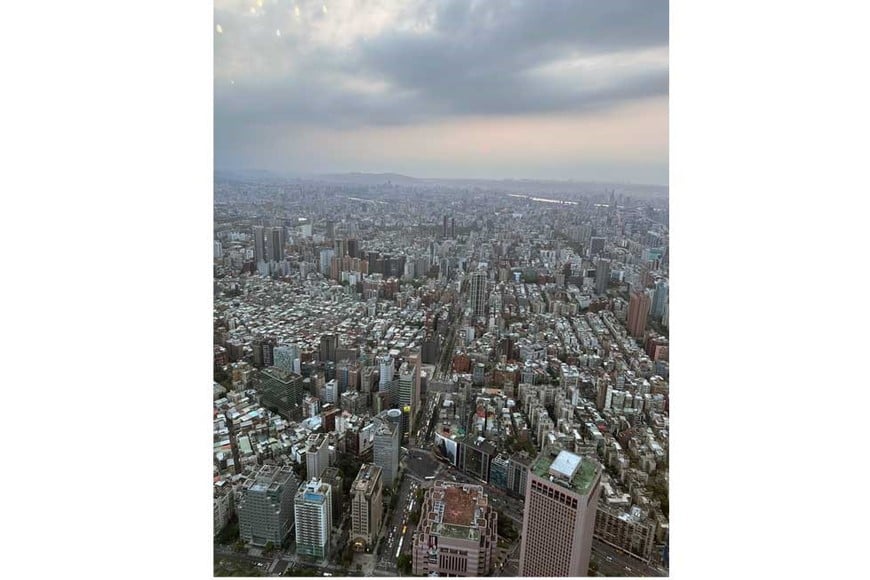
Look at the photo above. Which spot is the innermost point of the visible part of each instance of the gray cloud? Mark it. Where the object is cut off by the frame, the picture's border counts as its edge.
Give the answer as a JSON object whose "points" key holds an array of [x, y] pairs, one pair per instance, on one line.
{"points": [[476, 59]]}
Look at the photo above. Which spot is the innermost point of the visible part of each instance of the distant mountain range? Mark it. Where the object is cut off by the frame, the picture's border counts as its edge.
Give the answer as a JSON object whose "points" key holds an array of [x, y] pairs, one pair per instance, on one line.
{"points": [[537, 185]]}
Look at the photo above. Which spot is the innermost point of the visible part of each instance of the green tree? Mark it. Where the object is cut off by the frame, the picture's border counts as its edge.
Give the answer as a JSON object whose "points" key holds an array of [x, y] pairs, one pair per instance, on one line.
{"points": [[404, 564]]}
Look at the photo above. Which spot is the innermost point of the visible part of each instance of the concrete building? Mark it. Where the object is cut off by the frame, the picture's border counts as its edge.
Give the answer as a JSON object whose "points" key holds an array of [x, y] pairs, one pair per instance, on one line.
{"points": [[559, 517], [387, 369], [333, 477], [386, 446], [477, 293], [632, 531], [602, 276], [409, 392], [316, 455], [265, 506], [638, 310], [282, 391], [367, 505], [457, 534], [313, 507]]}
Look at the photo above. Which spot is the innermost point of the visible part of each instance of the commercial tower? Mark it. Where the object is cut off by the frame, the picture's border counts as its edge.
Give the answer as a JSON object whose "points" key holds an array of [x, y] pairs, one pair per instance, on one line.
{"points": [[602, 276], [367, 505], [385, 362], [409, 391], [457, 534], [559, 517], [313, 505], [265, 506], [638, 310], [316, 455], [386, 444], [477, 293]]}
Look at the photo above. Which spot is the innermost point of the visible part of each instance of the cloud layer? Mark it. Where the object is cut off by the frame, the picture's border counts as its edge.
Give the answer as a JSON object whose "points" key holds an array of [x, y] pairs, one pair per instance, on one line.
{"points": [[333, 73]]}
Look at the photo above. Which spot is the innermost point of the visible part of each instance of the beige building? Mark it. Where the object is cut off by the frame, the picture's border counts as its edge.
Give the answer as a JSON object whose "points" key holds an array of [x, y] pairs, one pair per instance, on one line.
{"points": [[457, 534], [367, 505], [632, 531], [559, 518]]}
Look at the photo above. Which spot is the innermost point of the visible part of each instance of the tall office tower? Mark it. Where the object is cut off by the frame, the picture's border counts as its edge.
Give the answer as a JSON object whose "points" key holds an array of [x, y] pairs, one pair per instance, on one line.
{"points": [[457, 534], [387, 368], [313, 506], [284, 357], [660, 299], [326, 256], [265, 506], [274, 244], [330, 230], [638, 309], [282, 391], [367, 505], [453, 228], [477, 293], [316, 454], [340, 248], [444, 228], [259, 244], [596, 246], [218, 250], [333, 477], [602, 276], [559, 516], [353, 248], [386, 445], [328, 344], [409, 391]]}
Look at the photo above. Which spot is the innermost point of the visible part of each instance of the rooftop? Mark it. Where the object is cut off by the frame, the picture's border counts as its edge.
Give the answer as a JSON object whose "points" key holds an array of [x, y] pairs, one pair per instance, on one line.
{"points": [[581, 476]]}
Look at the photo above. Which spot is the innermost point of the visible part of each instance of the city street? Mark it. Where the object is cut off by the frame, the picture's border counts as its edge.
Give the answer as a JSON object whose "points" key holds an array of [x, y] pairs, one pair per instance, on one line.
{"points": [[615, 562]]}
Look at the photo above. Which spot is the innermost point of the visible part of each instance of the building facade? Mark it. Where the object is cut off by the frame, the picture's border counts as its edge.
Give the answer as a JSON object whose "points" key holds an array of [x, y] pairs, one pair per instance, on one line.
{"points": [[265, 506], [367, 505], [559, 516], [386, 447], [313, 507], [457, 534]]}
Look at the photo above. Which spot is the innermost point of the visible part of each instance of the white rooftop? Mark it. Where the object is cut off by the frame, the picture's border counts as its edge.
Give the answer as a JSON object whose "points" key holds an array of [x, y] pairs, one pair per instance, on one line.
{"points": [[565, 465]]}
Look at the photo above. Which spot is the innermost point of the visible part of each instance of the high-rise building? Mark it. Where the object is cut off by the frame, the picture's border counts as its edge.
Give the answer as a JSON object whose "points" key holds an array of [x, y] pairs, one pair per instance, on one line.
{"points": [[274, 244], [367, 505], [638, 310], [265, 506], [386, 445], [559, 516], [328, 344], [660, 299], [387, 368], [409, 391], [282, 391], [602, 276], [313, 507], [444, 228], [316, 455], [332, 476], [286, 357], [477, 293], [259, 244], [457, 534], [596, 246]]}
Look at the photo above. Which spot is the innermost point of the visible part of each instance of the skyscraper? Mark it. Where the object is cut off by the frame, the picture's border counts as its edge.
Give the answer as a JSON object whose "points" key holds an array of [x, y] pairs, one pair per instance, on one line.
{"points": [[387, 369], [367, 505], [477, 293], [313, 507], [602, 276], [274, 244], [457, 534], [409, 391], [596, 246], [265, 506], [660, 299], [316, 455], [386, 445], [559, 517], [259, 244], [638, 309]]}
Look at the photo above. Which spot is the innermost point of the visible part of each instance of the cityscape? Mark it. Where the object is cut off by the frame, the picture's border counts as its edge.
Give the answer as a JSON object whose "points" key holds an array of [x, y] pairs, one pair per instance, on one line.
{"points": [[441, 289]]}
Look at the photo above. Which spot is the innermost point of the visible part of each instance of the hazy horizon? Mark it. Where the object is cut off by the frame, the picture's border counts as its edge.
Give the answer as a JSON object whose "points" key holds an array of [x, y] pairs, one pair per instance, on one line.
{"points": [[559, 90]]}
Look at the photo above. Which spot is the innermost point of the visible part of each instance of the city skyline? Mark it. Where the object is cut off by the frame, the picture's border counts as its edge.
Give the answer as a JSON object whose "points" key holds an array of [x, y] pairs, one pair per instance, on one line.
{"points": [[561, 91]]}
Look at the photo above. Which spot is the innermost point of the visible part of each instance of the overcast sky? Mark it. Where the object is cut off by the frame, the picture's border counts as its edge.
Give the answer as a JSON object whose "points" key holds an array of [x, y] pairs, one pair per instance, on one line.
{"points": [[494, 89]]}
